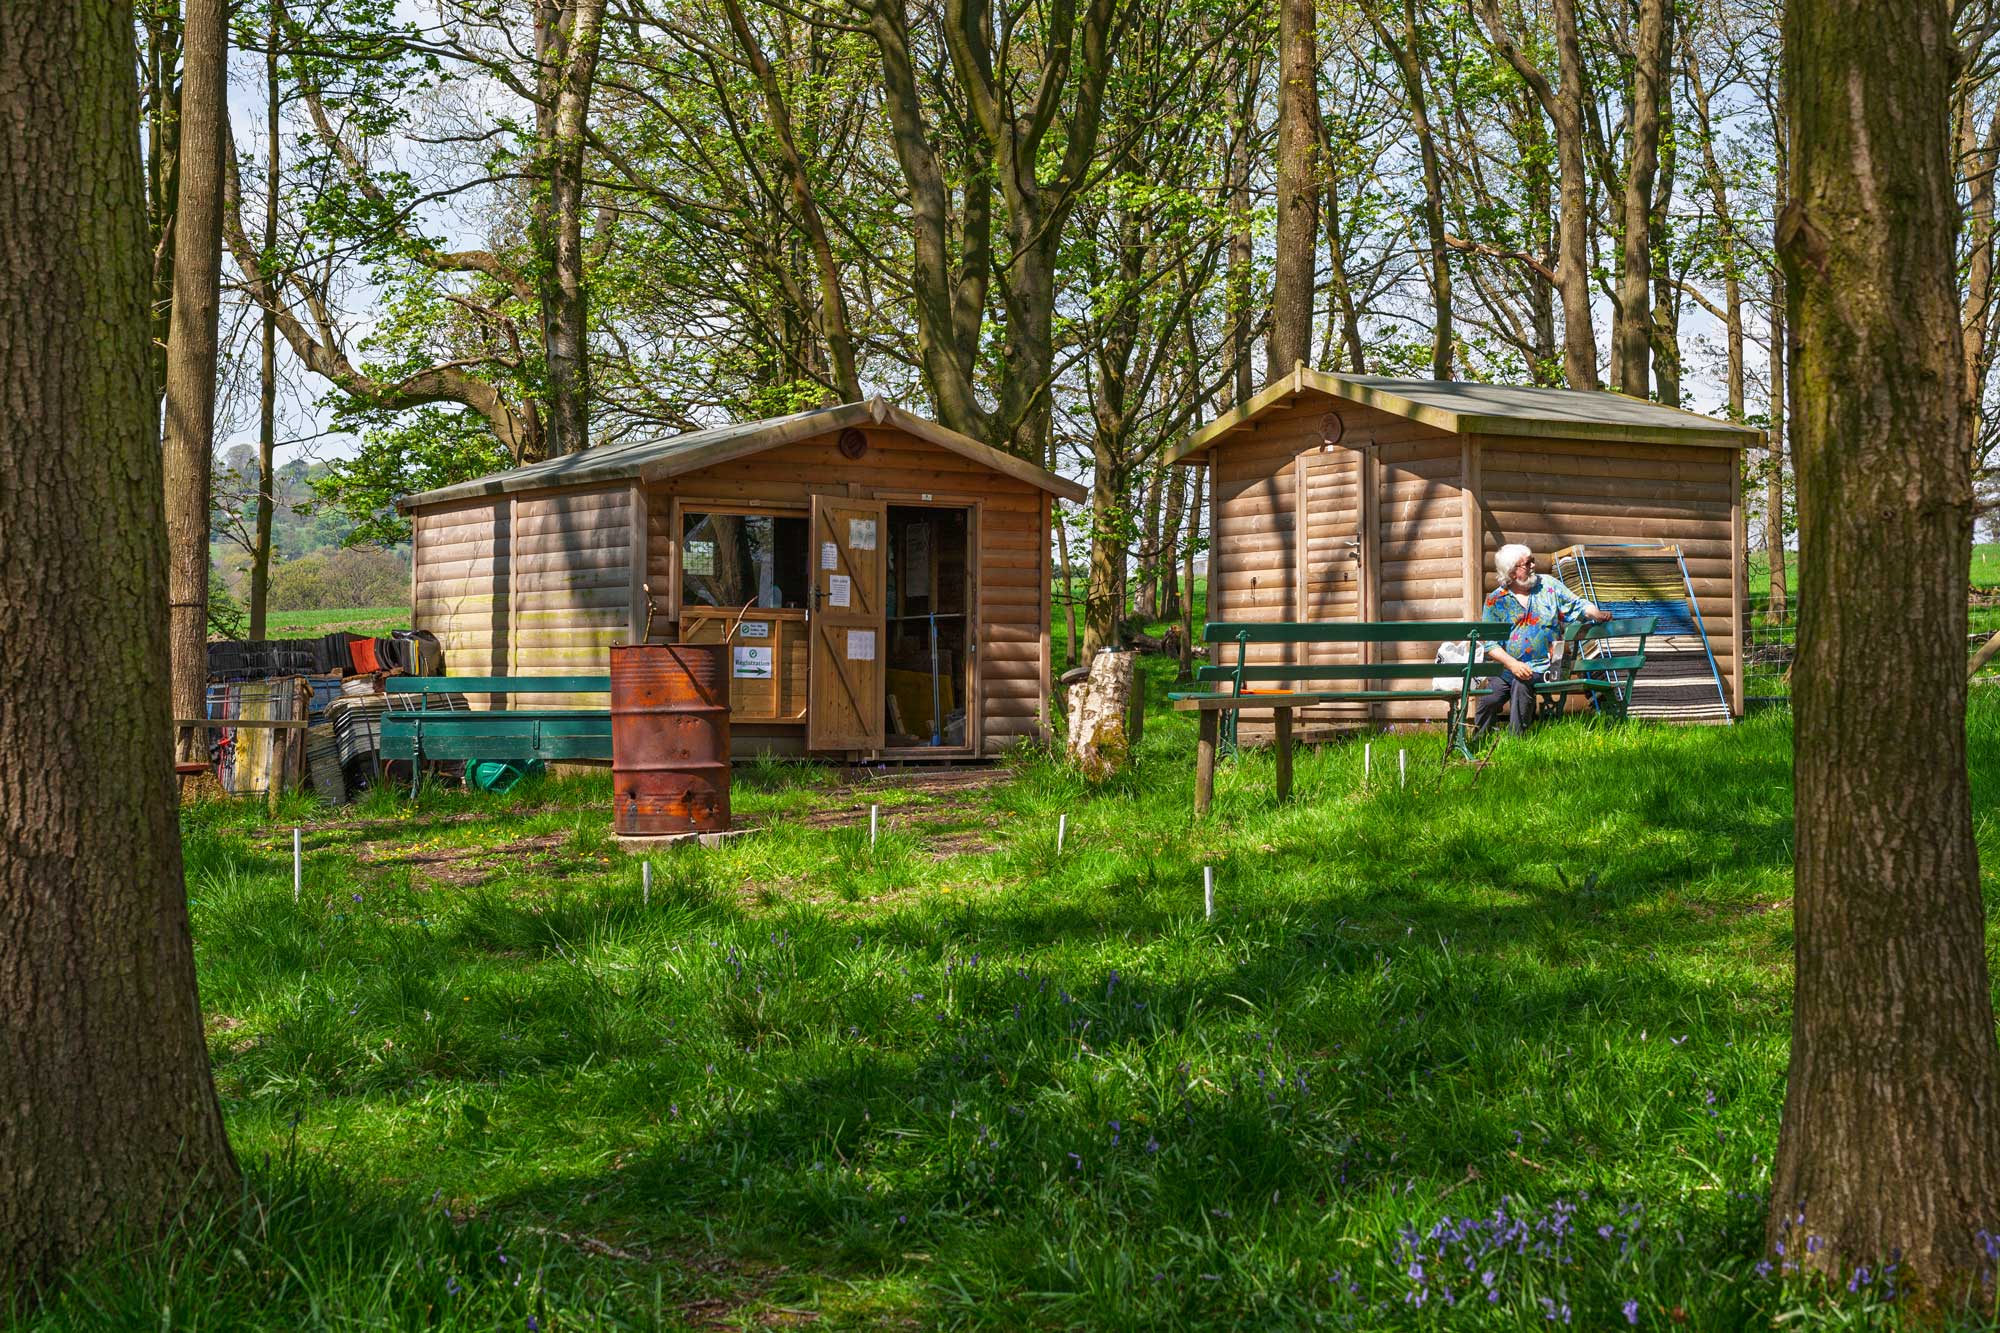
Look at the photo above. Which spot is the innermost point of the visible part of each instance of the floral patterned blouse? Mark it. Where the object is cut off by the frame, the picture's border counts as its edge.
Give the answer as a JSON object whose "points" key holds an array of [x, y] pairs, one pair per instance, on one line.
{"points": [[1536, 621]]}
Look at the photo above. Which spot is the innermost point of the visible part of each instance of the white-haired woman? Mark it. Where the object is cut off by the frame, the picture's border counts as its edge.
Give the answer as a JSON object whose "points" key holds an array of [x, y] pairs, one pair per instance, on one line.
{"points": [[1536, 606]]}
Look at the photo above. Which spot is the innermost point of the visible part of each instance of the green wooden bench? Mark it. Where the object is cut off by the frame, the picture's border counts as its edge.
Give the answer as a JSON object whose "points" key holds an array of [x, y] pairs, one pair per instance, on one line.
{"points": [[515, 735], [1606, 680], [1241, 676]]}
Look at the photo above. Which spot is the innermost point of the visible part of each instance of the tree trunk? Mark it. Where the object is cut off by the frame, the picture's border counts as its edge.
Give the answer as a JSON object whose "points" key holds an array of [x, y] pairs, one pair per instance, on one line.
{"points": [[1664, 328], [191, 349], [1777, 605], [163, 126], [1104, 596], [1187, 575], [267, 378], [949, 275], [1979, 155], [112, 1128], [1243, 83], [1179, 519], [1564, 105], [1635, 273], [1298, 185], [1100, 716], [1539, 191], [1145, 596], [1408, 53], [1341, 307], [1727, 239], [1573, 206], [1890, 1142], [566, 42], [832, 301]]}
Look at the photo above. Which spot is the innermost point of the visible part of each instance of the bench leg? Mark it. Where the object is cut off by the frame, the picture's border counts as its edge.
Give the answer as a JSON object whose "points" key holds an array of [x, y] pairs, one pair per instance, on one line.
{"points": [[1284, 716], [1204, 760], [1454, 733]]}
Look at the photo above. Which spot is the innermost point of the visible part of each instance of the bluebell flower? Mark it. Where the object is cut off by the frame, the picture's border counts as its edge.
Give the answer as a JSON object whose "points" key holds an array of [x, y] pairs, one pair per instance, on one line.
{"points": [[1631, 1312]]}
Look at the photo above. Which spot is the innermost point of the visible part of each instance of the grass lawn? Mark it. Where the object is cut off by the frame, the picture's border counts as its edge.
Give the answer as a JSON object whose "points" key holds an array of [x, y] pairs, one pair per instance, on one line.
{"points": [[370, 620], [1495, 1051]]}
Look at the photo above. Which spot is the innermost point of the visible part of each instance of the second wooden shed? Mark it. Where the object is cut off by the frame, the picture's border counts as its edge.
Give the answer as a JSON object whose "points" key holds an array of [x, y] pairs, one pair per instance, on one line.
{"points": [[1359, 497], [883, 581]]}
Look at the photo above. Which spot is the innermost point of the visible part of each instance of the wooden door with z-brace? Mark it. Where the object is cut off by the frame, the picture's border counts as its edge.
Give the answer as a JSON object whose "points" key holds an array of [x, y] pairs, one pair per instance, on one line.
{"points": [[846, 692]]}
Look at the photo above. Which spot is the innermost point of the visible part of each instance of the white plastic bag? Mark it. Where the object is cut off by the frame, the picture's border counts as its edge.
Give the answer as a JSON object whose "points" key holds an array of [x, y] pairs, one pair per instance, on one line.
{"points": [[1452, 654]]}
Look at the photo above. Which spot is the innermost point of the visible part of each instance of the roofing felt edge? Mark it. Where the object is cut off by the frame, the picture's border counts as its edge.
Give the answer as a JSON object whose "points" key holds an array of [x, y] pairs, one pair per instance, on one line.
{"points": [[1700, 430], [737, 440]]}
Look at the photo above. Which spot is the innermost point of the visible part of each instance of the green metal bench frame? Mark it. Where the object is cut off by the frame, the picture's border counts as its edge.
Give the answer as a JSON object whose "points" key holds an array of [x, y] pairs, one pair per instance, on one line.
{"points": [[1607, 680], [1212, 705], [513, 735]]}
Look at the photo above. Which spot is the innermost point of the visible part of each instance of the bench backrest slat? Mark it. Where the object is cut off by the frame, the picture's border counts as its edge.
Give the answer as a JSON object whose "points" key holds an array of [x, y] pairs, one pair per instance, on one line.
{"points": [[1348, 671], [1636, 627], [1353, 631], [497, 684]]}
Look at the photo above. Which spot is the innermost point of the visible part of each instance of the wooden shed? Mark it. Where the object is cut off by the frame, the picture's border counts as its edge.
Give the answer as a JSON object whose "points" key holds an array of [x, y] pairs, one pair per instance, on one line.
{"points": [[1338, 497], [883, 581]]}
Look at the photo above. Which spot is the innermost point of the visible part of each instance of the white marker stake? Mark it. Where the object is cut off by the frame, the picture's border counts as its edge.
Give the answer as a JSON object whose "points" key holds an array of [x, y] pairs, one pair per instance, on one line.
{"points": [[298, 866], [1208, 892], [1402, 768], [874, 818], [645, 884], [1367, 761], [1062, 830]]}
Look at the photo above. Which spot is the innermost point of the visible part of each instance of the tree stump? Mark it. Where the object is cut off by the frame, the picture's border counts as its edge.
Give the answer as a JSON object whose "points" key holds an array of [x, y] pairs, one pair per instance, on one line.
{"points": [[1100, 716]]}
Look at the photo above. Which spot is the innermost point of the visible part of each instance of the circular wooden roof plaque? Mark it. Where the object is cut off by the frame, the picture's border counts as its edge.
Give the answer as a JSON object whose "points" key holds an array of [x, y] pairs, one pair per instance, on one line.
{"points": [[852, 443], [1331, 428]]}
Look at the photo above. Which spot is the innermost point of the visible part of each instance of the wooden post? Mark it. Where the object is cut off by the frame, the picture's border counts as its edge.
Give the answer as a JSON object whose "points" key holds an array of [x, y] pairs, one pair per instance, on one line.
{"points": [[1204, 760], [1284, 716]]}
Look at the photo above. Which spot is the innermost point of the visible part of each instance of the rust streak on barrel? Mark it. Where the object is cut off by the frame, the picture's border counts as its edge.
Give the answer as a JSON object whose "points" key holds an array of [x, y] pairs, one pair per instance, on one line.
{"points": [[669, 738]]}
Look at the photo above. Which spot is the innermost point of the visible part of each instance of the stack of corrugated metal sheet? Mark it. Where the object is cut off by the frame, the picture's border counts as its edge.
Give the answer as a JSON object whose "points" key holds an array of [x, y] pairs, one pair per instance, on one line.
{"points": [[357, 735], [323, 763]]}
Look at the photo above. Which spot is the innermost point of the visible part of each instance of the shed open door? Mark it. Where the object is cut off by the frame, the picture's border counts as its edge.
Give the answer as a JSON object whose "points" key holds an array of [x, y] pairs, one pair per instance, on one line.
{"points": [[846, 692]]}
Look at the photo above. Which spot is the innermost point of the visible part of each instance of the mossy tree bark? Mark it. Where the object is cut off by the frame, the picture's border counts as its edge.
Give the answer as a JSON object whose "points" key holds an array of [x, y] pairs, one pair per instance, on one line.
{"points": [[1890, 1143], [1296, 258], [111, 1125], [189, 428]]}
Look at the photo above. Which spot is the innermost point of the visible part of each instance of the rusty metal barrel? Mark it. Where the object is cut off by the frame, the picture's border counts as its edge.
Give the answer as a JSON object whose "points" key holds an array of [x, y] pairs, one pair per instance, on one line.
{"points": [[669, 738]]}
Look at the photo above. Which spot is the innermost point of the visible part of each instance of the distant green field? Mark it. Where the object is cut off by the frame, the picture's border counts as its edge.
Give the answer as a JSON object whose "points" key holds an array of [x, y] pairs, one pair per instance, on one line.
{"points": [[369, 620]]}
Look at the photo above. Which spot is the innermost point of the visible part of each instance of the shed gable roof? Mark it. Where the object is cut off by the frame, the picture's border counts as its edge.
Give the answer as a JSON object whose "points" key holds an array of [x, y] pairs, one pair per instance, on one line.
{"points": [[657, 460], [1489, 409]]}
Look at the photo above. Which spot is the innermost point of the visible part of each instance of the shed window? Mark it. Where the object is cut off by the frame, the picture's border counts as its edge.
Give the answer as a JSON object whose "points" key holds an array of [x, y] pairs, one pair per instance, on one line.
{"points": [[729, 560]]}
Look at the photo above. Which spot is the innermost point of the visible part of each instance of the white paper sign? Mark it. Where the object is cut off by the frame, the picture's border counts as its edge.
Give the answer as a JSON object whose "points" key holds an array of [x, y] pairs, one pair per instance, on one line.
{"points": [[861, 645], [753, 663], [839, 590], [699, 557], [829, 556], [754, 629], [861, 533]]}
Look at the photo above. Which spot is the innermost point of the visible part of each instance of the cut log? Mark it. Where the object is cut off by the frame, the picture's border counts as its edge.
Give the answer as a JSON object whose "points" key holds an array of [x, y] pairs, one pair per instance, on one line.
{"points": [[1985, 654], [1100, 716]]}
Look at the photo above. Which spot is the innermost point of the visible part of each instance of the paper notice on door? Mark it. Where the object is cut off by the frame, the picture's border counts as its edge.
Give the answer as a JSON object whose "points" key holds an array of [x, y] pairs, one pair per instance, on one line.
{"points": [[752, 663], [698, 558], [861, 533], [839, 590], [861, 645], [754, 629], [829, 556]]}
